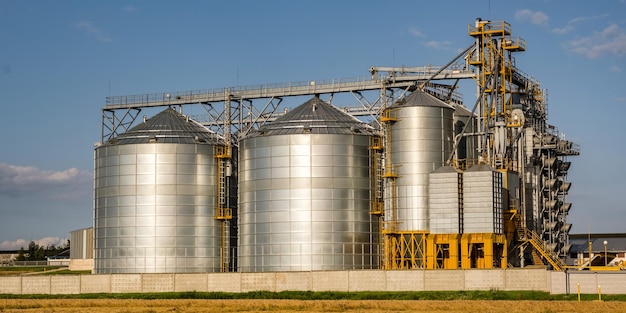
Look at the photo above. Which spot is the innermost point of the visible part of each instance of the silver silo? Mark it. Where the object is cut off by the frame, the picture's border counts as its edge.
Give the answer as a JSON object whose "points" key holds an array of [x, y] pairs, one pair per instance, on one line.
{"points": [[155, 196], [421, 141], [304, 193]]}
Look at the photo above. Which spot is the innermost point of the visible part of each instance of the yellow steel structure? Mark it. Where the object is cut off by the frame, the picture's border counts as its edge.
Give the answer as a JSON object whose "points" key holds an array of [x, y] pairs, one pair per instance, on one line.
{"points": [[442, 251], [404, 250], [495, 64], [223, 213], [483, 250]]}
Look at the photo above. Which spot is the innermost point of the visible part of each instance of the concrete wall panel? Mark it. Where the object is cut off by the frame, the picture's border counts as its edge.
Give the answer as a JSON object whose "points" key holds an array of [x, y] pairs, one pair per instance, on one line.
{"points": [[224, 282], [191, 282], [401, 280], [121, 283], [95, 283], [81, 265], [257, 282], [588, 282], [444, 280], [612, 283], [157, 283], [64, 284], [366, 280], [300, 281], [11, 285], [526, 279], [405, 280], [36, 285], [327, 281], [484, 279]]}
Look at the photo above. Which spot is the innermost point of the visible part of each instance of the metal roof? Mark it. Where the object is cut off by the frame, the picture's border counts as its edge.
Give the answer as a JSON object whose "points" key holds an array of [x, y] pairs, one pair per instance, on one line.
{"points": [[447, 169], [420, 99], [580, 242], [314, 117], [168, 126]]}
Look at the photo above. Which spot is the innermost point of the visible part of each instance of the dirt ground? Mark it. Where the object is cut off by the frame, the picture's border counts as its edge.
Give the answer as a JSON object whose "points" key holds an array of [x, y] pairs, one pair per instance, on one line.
{"points": [[288, 306]]}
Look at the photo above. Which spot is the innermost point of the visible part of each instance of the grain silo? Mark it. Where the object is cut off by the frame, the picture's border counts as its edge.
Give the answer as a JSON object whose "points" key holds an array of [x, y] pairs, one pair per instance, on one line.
{"points": [[155, 196], [304, 193], [421, 141]]}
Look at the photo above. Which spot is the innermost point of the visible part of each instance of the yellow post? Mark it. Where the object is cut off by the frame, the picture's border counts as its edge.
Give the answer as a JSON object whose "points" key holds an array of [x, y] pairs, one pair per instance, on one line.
{"points": [[599, 293], [578, 291], [454, 252], [465, 252], [488, 243]]}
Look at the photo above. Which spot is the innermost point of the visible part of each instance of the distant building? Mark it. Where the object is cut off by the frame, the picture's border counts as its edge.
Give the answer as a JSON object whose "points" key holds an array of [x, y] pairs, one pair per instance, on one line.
{"points": [[81, 249], [8, 256], [591, 250]]}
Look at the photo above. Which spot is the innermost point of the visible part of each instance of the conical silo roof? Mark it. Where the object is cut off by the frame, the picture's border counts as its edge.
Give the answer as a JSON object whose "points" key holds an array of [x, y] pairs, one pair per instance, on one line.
{"points": [[168, 126], [314, 117], [420, 99], [461, 110]]}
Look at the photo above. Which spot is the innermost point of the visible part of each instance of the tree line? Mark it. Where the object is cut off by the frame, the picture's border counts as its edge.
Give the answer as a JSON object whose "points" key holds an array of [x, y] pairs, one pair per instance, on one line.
{"points": [[36, 252]]}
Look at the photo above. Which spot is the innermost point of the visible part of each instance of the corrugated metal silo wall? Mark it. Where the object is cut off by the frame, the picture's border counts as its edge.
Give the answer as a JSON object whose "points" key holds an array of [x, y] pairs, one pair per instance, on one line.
{"points": [[421, 142], [154, 209], [304, 204]]}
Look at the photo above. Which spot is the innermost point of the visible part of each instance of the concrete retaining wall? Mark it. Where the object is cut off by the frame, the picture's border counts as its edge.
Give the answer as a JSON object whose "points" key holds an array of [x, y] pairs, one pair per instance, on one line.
{"points": [[351, 281], [594, 282]]}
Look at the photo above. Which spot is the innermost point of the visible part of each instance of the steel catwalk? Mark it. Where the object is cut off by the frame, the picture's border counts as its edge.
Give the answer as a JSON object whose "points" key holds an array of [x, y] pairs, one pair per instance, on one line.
{"points": [[155, 194], [421, 141], [304, 192]]}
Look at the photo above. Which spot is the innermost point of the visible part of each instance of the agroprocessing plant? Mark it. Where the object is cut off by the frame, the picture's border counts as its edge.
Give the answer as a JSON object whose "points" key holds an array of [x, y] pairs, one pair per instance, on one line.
{"points": [[403, 175]]}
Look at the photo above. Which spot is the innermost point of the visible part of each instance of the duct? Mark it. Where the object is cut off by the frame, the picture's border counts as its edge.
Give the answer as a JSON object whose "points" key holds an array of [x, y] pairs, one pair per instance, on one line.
{"points": [[553, 184], [550, 162], [565, 249], [553, 205], [565, 187], [566, 228], [566, 207]]}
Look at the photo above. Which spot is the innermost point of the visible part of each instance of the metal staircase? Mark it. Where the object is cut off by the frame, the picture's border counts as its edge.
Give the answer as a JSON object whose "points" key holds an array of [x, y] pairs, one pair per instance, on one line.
{"points": [[531, 237]]}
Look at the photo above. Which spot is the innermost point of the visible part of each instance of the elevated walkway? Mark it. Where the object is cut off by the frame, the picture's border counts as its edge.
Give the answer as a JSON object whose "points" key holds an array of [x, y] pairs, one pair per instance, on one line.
{"points": [[284, 89]]}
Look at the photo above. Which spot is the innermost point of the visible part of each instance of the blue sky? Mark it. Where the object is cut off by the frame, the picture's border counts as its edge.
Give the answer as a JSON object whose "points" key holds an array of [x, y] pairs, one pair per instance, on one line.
{"points": [[60, 59]]}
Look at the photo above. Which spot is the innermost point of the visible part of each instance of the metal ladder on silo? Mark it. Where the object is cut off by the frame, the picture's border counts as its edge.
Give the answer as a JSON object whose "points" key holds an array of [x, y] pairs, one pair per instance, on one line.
{"points": [[223, 212]]}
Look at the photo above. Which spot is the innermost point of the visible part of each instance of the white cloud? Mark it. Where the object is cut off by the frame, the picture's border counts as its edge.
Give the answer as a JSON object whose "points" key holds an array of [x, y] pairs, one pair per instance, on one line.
{"points": [[438, 45], [571, 24], [17, 181], [416, 32], [610, 41], [89, 28], [534, 17], [621, 99], [615, 69], [23, 243]]}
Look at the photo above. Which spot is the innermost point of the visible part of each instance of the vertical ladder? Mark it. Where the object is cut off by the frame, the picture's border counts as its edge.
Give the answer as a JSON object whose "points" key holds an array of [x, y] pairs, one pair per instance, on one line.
{"points": [[223, 212]]}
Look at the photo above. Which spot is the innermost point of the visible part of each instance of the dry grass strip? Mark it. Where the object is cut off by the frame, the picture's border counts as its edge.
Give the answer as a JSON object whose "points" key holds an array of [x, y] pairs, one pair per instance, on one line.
{"points": [[290, 306]]}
